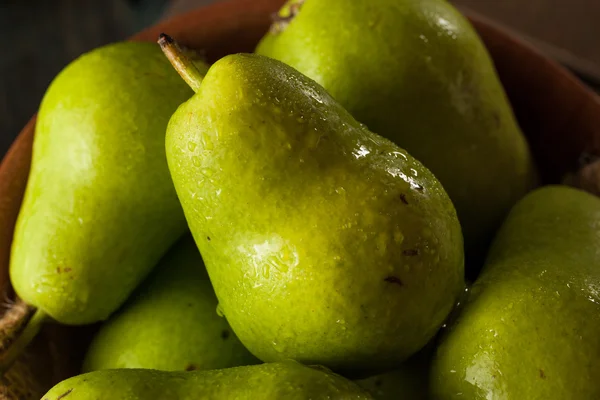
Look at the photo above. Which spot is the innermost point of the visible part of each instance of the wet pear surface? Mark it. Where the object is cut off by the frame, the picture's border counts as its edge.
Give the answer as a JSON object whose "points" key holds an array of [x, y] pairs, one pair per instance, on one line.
{"points": [[429, 86], [530, 327], [283, 380], [170, 324], [100, 208], [324, 242]]}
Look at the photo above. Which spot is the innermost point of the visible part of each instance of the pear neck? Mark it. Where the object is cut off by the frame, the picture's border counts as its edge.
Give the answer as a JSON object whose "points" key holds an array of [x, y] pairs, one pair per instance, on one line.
{"points": [[181, 62]]}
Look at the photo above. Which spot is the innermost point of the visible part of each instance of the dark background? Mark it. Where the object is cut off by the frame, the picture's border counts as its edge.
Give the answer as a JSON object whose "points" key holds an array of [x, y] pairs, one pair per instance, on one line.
{"points": [[39, 37]]}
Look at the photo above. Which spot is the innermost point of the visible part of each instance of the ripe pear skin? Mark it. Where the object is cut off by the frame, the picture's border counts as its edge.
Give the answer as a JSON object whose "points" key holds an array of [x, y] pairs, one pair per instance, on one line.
{"points": [[325, 243], [416, 72], [100, 209], [170, 324], [282, 380], [529, 329]]}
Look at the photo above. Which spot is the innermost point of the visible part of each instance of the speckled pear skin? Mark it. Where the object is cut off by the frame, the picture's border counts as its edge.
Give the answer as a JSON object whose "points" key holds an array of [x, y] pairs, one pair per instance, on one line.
{"points": [[100, 208], [282, 380], [170, 324], [529, 329], [430, 86], [325, 243]]}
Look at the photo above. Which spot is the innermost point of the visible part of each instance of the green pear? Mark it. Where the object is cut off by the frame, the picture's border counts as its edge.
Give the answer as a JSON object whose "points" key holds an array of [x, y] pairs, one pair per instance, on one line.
{"points": [[283, 380], [529, 328], [100, 208], [170, 324], [407, 382], [325, 243], [417, 73]]}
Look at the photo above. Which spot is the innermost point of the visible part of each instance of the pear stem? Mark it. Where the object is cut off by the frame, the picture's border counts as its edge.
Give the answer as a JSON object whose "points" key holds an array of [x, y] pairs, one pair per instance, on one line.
{"points": [[182, 63], [22, 339]]}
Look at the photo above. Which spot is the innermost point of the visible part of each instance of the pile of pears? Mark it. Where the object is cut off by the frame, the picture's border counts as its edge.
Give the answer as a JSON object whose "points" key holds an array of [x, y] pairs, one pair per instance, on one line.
{"points": [[349, 212]]}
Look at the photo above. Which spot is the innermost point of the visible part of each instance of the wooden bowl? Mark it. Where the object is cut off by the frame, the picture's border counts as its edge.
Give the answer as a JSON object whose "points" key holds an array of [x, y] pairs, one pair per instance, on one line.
{"points": [[560, 117]]}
